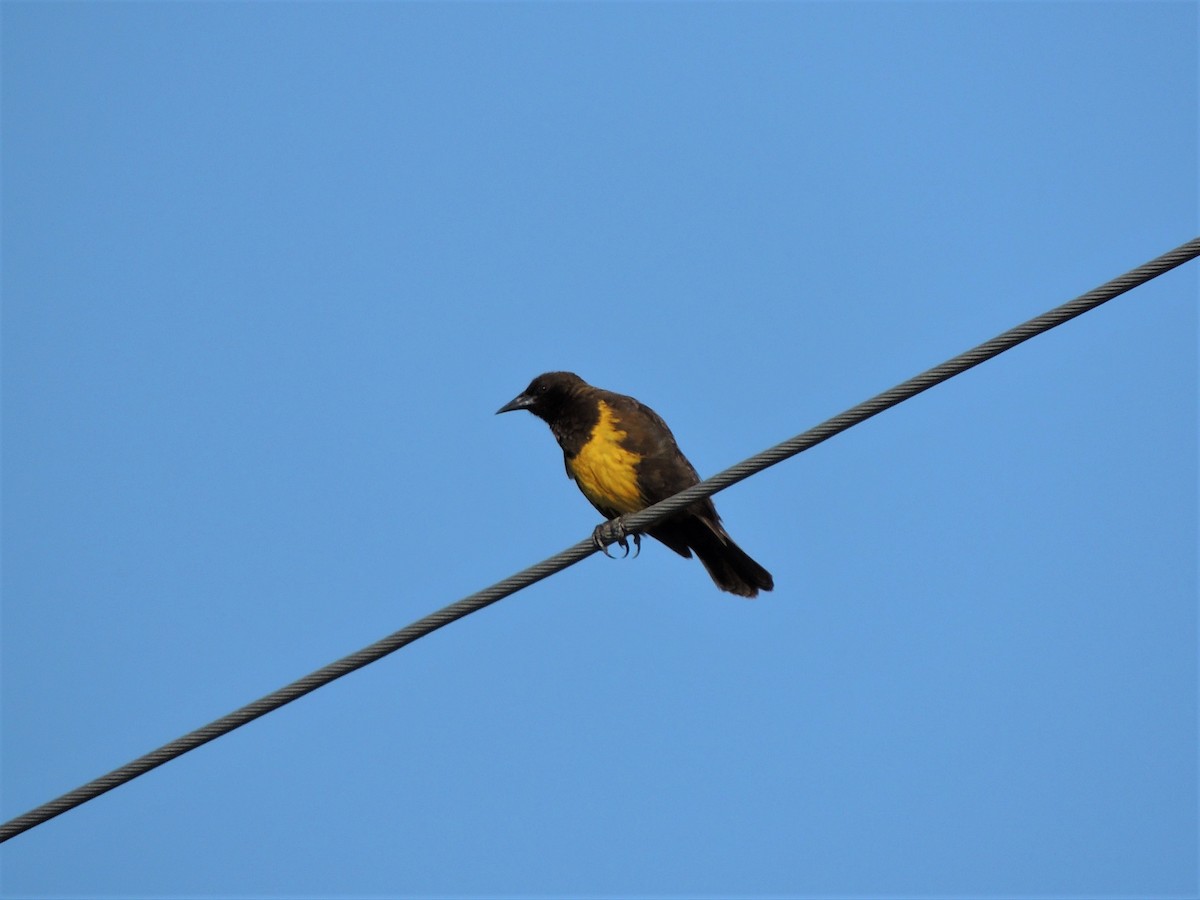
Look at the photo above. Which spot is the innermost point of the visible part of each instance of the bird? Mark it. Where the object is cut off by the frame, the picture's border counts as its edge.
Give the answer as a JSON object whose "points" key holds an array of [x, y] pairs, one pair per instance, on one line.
{"points": [[623, 457]]}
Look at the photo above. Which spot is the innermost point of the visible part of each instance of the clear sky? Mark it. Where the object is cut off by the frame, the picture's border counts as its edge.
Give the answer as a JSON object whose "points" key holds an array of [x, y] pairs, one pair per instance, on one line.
{"points": [[269, 270]]}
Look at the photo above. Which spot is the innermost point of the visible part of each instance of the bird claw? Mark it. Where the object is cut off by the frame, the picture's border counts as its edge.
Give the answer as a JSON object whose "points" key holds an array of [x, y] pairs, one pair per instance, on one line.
{"points": [[613, 532]]}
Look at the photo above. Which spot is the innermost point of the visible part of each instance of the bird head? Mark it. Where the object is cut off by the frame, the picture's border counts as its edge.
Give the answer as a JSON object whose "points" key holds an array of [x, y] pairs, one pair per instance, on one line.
{"points": [[546, 394]]}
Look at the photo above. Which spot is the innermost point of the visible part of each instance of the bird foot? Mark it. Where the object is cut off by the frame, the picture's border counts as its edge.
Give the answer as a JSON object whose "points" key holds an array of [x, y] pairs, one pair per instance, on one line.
{"points": [[613, 532]]}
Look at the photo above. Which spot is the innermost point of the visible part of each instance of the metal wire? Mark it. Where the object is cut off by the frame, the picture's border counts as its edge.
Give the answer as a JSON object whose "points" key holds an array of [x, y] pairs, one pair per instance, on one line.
{"points": [[1083, 303], [634, 523]]}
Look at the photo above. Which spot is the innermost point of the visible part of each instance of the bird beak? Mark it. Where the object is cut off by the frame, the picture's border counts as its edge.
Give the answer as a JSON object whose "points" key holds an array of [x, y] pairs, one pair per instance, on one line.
{"points": [[521, 401]]}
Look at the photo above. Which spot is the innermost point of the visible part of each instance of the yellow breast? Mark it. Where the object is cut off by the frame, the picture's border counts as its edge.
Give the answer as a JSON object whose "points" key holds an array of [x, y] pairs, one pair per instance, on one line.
{"points": [[605, 471]]}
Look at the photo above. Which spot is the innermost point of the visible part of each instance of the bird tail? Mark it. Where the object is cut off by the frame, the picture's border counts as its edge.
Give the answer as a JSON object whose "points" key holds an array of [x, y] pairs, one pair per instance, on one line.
{"points": [[730, 566]]}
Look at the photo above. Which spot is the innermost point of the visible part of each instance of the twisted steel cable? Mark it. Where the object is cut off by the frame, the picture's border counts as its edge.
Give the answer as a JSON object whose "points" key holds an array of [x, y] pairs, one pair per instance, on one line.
{"points": [[634, 523]]}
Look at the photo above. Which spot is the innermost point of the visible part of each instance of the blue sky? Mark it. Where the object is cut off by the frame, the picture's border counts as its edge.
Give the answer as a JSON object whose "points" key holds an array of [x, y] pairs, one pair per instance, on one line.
{"points": [[268, 271]]}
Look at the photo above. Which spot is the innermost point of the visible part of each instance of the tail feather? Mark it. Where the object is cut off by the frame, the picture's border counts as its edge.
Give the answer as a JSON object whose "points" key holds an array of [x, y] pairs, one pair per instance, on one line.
{"points": [[733, 570], [730, 567]]}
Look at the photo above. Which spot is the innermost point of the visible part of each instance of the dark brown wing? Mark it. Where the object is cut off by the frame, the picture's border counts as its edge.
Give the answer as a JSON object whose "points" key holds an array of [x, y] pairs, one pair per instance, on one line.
{"points": [[664, 471]]}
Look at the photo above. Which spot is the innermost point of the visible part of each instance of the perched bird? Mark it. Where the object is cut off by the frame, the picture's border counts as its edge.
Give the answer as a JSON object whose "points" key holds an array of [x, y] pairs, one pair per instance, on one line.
{"points": [[624, 458]]}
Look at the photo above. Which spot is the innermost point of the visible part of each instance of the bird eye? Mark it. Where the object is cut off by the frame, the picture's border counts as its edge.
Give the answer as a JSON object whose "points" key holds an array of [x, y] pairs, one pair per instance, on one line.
{"points": [[542, 388]]}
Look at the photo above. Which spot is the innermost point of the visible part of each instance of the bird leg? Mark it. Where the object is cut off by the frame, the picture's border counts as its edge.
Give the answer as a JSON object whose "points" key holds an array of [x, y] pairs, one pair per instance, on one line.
{"points": [[613, 532]]}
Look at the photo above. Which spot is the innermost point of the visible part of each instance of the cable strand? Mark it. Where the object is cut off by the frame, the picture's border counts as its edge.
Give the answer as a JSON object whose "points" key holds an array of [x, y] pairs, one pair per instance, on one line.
{"points": [[636, 522]]}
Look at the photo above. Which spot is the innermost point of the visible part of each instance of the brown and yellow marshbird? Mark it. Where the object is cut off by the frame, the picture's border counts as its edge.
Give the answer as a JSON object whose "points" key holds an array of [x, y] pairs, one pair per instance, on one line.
{"points": [[624, 458]]}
